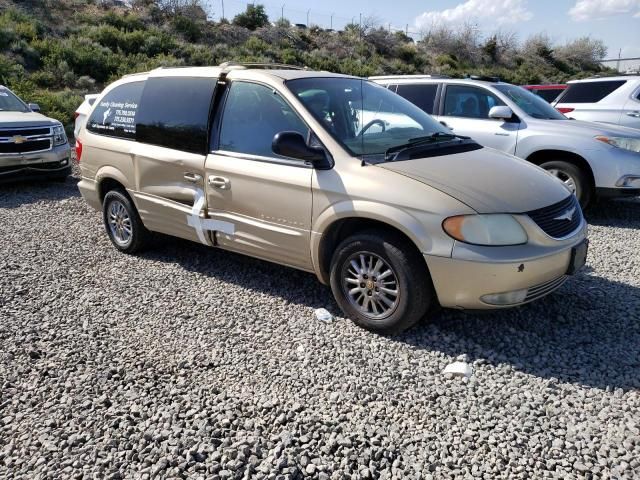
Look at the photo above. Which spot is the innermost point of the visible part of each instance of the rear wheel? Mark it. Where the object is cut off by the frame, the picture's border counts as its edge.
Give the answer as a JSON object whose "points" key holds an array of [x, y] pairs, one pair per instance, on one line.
{"points": [[122, 222], [573, 177], [381, 282]]}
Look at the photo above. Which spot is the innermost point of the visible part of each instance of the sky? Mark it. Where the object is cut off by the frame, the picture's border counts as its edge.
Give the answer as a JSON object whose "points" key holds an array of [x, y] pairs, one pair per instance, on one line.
{"points": [[616, 22]]}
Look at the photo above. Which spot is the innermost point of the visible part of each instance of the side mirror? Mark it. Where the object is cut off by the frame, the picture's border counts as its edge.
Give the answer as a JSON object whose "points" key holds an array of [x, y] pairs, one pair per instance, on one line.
{"points": [[293, 145], [501, 112], [34, 107]]}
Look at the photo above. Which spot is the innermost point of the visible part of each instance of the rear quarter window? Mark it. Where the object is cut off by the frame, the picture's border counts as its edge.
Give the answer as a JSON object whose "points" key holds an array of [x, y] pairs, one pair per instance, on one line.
{"points": [[590, 92], [115, 115], [174, 113]]}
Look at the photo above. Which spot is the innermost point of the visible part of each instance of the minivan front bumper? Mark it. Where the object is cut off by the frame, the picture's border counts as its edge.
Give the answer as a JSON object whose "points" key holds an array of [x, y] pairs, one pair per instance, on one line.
{"points": [[473, 284]]}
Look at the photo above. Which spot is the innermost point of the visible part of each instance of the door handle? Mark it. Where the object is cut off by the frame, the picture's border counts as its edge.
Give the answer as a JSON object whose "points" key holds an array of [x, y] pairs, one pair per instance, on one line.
{"points": [[192, 177], [634, 114], [219, 182]]}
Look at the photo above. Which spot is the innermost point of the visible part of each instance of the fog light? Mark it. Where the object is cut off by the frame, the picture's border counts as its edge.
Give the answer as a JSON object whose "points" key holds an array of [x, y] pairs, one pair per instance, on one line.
{"points": [[629, 181], [506, 298], [64, 162]]}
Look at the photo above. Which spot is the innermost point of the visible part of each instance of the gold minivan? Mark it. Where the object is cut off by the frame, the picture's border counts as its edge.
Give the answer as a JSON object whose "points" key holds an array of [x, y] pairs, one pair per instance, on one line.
{"points": [[330, 174]]}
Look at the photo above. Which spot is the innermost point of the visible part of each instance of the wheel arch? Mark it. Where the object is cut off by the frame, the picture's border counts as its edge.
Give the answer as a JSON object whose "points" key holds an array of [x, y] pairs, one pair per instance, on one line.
{"points": [[541, 156], [109, 178], [345, 227]]}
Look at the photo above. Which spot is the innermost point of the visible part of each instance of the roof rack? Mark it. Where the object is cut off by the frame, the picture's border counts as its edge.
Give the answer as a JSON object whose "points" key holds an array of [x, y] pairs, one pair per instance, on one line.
{"points": [[266, 66], [483, 78], [607, 75], [396, 77]]}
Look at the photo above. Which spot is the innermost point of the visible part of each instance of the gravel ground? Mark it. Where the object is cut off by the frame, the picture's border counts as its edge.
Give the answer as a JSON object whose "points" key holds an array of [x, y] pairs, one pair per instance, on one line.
{"points": [[192, 362]]}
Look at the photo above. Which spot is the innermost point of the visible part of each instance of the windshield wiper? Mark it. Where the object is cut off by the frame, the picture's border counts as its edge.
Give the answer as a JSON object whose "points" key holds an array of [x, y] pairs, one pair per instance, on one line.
{"points": [[393, 152]]}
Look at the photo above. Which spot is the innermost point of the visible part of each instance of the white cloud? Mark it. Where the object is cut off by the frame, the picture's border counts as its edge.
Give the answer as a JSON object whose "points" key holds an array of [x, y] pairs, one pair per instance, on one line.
{"points": [[498, 11], [594, 9]]}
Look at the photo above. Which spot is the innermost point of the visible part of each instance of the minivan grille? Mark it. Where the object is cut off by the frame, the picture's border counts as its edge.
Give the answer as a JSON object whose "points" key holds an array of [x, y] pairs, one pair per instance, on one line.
{"points": [[550, 220]]}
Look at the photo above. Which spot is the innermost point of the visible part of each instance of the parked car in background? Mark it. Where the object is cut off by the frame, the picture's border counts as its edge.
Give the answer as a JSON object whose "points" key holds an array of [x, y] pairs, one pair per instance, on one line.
{"points": [[549, 91], [397, 215], [591, 159], [31, 145], [80, 115], [614, 100]]}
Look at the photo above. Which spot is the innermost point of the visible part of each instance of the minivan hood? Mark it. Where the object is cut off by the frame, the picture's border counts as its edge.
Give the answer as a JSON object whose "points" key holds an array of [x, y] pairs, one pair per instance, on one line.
{"points": [[20, 119], [487, 180]]}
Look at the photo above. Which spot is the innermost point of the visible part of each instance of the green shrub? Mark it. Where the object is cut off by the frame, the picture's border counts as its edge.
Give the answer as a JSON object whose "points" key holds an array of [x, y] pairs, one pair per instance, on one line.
{"points": [[253, 17], [190, 29]]}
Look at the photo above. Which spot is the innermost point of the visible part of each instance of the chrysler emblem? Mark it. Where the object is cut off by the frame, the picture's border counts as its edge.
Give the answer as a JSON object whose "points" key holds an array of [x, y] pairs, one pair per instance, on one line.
{"points": [[18, 139], [568, 215]]}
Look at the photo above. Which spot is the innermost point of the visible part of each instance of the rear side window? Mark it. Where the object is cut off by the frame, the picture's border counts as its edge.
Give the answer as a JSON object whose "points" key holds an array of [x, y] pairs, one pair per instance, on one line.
{"points": [[590, 92], [115, 115], [422, 96], [174, 113]]}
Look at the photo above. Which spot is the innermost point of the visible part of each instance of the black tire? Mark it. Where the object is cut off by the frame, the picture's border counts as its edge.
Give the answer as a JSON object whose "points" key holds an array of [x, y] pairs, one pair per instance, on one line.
{"points": [[566, 170], [414, 286], [137, 234]]}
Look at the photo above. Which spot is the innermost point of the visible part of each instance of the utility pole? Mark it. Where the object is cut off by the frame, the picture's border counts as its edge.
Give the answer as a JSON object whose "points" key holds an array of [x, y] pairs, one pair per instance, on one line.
{"points": [[331, 27], [222, 2], [360, 29], [282, 13], [618, 62], [406, 31], [308, 11]]}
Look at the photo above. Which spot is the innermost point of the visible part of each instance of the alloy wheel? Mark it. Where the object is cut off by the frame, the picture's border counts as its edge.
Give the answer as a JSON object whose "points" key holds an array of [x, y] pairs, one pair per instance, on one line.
{"points": [[120, 223], [567, 179], [370, 285]]}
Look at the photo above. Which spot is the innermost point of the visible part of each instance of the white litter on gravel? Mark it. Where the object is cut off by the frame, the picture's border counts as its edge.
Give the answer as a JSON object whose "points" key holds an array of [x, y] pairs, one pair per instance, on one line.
{"points": [[459, 369], [323, 315]]}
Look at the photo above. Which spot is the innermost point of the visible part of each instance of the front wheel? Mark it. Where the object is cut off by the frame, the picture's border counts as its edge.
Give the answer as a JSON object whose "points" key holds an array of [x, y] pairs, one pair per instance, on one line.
{"points": [[381, 282], [123, 224], [573, 177]]}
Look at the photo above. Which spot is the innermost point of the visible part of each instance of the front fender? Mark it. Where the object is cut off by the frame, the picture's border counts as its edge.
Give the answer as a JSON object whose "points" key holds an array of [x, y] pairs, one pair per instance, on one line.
{"points": [[530, 145], [416, 225]]}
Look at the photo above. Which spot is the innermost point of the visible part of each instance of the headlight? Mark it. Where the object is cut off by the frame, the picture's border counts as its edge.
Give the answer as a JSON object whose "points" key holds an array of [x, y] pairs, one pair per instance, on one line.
{"points": [[493, 230], [59, 137], [626, 143]]}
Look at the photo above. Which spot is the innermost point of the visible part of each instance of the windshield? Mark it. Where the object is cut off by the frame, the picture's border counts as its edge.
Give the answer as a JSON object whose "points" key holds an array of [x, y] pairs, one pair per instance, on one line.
{"points": [[532, 105], [10, 103], [366, 118]]}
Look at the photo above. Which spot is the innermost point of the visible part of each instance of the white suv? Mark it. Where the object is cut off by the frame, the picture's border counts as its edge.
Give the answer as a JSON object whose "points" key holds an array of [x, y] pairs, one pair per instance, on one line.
{"points": [[590, 158], [613, 100]]}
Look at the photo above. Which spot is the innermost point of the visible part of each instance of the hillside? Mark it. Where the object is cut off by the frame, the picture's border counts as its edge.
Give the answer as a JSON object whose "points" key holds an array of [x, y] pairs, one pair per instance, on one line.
{"points": [[54, 51]]}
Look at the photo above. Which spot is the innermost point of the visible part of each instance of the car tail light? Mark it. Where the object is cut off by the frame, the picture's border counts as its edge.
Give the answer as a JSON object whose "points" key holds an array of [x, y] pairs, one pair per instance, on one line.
{"points": [[78, 150], [75, 115], [565, 110]]}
